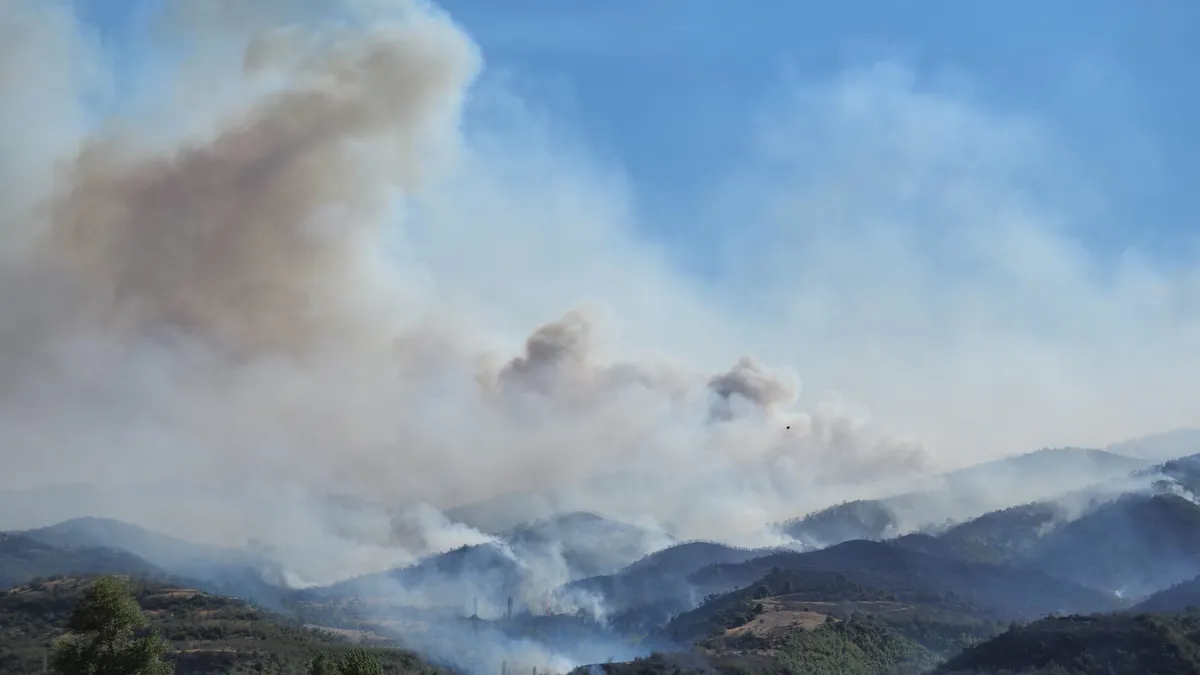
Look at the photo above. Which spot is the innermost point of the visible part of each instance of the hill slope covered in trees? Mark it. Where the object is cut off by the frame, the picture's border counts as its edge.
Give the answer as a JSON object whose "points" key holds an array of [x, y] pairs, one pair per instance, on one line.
{"points": [[206, 633]]}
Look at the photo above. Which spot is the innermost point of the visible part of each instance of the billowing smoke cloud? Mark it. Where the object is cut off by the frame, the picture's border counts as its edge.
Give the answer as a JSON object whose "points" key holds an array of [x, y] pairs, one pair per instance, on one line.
{"points": [[748, 381], [226, 301], [289, 269]]}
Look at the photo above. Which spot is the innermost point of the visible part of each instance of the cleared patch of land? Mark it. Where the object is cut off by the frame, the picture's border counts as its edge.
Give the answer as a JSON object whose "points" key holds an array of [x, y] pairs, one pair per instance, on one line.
{"points": [[788, 613]]}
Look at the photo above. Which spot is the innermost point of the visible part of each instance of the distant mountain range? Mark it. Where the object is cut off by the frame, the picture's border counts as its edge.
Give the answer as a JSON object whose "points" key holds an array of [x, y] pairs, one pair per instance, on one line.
{"points": [[659, 586], [997, 590], [1120, 534], [1070, 536], [1182, 597], [227, 571], [530, 563], [1160, 447], [24, 558], [965, 494], [162, 550], [1131, 544]]}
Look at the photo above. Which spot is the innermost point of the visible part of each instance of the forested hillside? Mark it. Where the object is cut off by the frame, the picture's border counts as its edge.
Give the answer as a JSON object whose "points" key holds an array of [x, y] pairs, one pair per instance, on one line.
{"points": [[205, 633]]}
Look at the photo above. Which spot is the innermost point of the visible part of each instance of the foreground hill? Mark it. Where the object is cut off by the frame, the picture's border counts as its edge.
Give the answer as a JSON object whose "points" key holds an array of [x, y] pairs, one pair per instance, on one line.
{"points": [[876, 645], [852, 647], [1093, 645], [207, 633], [23, 559], [785, 600]]}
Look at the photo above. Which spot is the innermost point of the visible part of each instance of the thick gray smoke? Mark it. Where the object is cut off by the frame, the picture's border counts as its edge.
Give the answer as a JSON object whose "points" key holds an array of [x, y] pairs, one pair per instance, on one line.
{"points": [[221, 301], [749, 382]]}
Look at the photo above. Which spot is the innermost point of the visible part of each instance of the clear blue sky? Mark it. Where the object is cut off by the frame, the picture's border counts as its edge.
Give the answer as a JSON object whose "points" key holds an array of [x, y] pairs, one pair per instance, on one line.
{"points": [[628, 67], [665, 89]]}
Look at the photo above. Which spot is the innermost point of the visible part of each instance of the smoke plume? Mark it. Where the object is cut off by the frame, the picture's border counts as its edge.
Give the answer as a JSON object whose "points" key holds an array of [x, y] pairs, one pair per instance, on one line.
{"points": [[287, 267], [221, 302]]}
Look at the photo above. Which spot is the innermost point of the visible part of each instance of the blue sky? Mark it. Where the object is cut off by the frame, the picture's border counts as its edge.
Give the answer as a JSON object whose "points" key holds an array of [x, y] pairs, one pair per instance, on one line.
{"points": [[1117, 77], [665, 90]]}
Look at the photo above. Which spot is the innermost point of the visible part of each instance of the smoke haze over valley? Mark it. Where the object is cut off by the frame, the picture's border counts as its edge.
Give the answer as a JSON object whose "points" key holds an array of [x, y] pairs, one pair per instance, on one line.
{"points": [[323, 295]]}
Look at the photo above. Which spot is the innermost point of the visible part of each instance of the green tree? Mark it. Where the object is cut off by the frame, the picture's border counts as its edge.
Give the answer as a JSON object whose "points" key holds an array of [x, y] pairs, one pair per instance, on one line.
{"points": [[103, 637], [355, 662], [322, 665], [360, 662]]}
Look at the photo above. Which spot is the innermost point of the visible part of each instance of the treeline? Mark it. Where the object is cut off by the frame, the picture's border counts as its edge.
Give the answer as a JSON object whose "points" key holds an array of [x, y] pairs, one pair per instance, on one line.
{"points": [[114, 627]]}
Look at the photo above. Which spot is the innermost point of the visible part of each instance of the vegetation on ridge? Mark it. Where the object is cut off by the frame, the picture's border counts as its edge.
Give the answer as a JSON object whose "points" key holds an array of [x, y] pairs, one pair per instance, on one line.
{"points": [[202, 633], [1087, 645]]}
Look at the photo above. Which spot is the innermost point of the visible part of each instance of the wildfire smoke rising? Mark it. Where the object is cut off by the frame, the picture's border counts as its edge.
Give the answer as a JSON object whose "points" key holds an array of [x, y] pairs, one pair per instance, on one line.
{"points": [[223, 308], [296, 272]]}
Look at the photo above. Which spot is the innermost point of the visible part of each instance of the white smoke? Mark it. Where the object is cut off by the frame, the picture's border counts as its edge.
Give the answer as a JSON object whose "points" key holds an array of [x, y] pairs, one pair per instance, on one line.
{"points": [[293, 272]]}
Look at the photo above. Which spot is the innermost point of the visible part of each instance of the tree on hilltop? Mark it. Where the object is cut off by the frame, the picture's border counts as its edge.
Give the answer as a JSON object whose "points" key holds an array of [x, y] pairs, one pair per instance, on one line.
{"points": [[104, 639]]}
